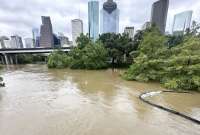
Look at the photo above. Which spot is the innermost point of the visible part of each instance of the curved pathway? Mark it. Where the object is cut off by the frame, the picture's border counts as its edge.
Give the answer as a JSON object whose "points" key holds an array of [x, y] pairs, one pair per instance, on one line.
{"points": [[147, 94]]}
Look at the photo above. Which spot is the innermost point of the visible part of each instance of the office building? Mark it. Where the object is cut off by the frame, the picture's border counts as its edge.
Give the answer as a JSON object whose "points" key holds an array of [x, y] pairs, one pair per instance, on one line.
{"points": [[64, 41], [2, 41], [146, 25], [93, 19], [16, 42], [77, 29], [7, 43], [46, 33], [110, 17], [129, 31], [181, 22], [159, 14], [29, 43], [36, 37], [56, 41]]}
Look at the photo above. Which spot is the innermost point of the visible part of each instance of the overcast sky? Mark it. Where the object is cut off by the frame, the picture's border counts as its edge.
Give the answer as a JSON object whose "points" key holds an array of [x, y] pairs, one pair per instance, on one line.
{"points": [[20, 16]]}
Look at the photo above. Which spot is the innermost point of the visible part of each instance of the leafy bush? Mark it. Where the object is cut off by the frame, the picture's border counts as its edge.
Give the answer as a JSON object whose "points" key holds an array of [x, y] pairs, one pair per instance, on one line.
{"points": [[92, 56], [29, 58], [58, 59]]}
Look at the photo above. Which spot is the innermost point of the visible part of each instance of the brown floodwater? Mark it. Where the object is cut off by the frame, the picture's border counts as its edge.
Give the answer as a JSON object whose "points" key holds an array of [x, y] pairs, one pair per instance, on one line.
{"points": [[42, 101]]}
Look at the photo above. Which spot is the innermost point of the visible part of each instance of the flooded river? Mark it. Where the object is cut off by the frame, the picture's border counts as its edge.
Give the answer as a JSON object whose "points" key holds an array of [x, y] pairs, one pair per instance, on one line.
{"points": [[42, 101]]}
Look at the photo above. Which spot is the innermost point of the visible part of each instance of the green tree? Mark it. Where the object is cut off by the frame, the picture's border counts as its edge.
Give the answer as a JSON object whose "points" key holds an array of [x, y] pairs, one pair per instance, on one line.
{"points": [[176, 68], [82, 40], [119, 47], [148, 63], [58, 59], [92, 56], [174, 40]]}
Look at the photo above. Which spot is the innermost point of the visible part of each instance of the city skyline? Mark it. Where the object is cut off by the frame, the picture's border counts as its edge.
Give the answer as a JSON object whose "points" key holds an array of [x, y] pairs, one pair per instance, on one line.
{"points": [[61, 18]]}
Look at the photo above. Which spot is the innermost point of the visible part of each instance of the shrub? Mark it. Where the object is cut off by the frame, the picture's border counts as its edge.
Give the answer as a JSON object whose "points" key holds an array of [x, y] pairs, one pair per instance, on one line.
{"points": [[58, 59]]}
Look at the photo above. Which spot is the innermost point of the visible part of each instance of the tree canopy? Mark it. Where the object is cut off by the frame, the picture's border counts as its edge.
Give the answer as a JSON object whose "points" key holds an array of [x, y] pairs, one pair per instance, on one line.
{"points": [[175, 68]]}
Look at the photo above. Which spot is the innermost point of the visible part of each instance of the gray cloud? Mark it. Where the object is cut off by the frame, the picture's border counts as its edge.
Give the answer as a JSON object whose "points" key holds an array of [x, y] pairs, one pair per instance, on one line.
{"points": [[20, 16]]}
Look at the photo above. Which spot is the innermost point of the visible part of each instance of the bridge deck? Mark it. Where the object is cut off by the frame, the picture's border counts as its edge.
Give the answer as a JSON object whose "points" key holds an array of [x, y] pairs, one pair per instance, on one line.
{"points": [[31, 50]]}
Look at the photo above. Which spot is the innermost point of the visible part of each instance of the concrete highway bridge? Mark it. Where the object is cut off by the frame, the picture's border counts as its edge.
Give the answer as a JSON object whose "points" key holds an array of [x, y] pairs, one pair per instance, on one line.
{"points": [[9, 56]]}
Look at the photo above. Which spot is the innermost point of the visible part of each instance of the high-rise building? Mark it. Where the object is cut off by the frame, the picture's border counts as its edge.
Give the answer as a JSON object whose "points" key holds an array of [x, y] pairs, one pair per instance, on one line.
{"points": [[93, 19], [146, 25], [28, 42], [159, 14], [129, 31], [64, 41], [2, 42], [7, 43], [56, 41], [77, 29], [182, 22], [16, 42], [110, 17], [46, 32], [36, 37]]}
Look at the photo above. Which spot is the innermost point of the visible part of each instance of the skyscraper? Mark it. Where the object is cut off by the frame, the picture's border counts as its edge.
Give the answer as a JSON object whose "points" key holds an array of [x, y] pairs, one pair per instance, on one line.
{"points": [[36, 37], [129, 31], [64, 41], [2, 41], [16, 42], [29, 42], [110, 17], [46, 32], [56, 41], [77, 29], [182, 22], [159, 14], [93, 19], [146, 25]]}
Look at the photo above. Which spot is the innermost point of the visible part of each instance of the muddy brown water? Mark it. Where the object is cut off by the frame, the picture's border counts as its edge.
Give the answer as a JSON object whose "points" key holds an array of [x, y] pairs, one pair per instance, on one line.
{"points": [[42, 101]]}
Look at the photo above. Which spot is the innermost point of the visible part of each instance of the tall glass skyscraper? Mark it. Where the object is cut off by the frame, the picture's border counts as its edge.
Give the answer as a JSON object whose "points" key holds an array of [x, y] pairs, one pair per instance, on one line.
{"points": [[46, 32], [93, 19], [159, 14], [182, 22], [110, 17]]}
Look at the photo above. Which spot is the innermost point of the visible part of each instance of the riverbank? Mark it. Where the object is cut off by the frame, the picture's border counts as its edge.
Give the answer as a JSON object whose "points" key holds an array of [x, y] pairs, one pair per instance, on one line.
{"points": [[145, 95]]}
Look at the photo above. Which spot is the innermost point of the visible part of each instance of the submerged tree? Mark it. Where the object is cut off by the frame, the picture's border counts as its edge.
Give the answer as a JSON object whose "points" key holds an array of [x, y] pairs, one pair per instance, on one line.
{"points": [[119, 47], [92, 56]]}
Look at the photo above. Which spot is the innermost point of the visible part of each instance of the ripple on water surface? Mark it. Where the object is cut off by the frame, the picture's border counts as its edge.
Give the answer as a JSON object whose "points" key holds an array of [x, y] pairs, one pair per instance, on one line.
{"points": [[41, 101]]}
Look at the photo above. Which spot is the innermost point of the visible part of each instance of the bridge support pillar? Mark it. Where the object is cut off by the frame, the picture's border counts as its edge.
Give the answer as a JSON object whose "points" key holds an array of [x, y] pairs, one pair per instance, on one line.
{"points": [[11, 59], [6, 59], [16, 61], [2, 60]]}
